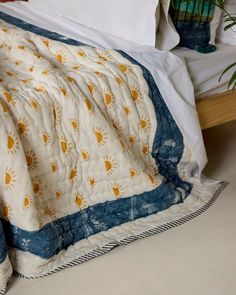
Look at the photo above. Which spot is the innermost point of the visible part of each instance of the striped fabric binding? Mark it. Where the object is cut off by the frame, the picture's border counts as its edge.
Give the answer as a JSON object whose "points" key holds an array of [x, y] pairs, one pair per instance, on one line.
{"points": [[108, 247]]}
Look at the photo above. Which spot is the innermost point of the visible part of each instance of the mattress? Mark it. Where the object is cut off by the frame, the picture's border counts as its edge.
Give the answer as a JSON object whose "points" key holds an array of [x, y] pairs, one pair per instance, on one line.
{"points": [[205, 69]]}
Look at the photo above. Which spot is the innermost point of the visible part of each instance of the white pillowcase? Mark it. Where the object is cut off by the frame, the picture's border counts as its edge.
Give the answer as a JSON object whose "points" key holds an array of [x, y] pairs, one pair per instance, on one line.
{"points": [[229, 36], [132, 20]]}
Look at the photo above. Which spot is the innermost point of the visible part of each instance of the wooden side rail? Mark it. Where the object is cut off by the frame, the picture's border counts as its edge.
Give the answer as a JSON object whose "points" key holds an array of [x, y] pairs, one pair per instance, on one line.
{"points": [[217, 109]]}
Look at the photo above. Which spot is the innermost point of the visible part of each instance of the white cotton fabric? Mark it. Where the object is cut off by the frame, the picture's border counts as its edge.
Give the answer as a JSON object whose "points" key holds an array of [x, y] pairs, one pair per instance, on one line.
{"points": [[228, 36], [133, 20], [206, 69], [143, 22], [167, 37], [169, 71], [214, 24]]}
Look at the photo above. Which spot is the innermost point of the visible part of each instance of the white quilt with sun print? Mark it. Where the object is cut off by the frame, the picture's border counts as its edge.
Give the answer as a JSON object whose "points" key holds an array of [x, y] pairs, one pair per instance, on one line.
{"points": [[87, 148], [74, 120]]}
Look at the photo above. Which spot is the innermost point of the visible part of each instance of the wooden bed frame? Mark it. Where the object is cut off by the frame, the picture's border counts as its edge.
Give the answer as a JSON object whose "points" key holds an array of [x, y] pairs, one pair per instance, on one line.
{"points": [[217, 109]]}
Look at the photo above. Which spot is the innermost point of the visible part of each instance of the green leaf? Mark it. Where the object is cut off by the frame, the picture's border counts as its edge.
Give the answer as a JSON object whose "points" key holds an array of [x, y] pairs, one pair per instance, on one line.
{"points": [[232, 81], [226, 70]]}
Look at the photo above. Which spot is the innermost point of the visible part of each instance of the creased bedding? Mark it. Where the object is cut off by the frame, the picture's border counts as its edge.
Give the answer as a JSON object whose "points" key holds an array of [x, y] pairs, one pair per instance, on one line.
{"points": [[91, 157]]}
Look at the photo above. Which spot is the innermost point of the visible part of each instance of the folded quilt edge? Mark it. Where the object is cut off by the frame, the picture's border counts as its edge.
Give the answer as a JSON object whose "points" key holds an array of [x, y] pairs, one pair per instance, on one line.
{"points": [[201, 205]]}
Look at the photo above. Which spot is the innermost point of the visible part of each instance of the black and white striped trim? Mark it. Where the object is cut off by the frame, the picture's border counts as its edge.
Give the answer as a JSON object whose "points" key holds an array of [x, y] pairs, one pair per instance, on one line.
{"points": [[108, 247], [4, 291]]}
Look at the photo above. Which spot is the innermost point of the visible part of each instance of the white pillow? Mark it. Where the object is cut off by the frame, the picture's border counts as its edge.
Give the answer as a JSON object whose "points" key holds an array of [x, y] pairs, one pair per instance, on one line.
{"points": [[167, 37], [228, 36], [132, 20]]}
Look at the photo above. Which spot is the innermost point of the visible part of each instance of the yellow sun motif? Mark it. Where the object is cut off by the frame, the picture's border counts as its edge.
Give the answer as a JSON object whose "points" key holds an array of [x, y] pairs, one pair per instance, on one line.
{"points": [[135, 94], [97, 73], [60, 56], [153, 180], [17, 62], [76, 67], [20, 47], [80, 201], [85, 155], [92, 181], [90, 87], [124, 68], [9, 98], [27, 202], [38, 186], [23, 127], [31, 159], [3, 106], [7, 211], [104, 56], [12, 143], [144, 124], [45, 72], [64, 92], [56, 113], [35, 105], [54, 167], [101, 136], [48, 212], [132, 139], [46, 42], [81, 53], [58, 195], [37, 55], [70, 79], [5, 30], [127, 110], [9, 179], [31, 69], [73, 174], [145, 149], [65, 146], [25, 81], [74, 124], [40, 88], [30, 41], [117, 190], [108, 98], [46, 138], [14, 89], [11, 74], [110, 165], [88, 105], [119, 80], [133, 172]]}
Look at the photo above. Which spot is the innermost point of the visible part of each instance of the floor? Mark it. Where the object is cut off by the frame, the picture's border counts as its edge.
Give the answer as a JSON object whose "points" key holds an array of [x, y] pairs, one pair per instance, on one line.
{"points": [[197, 258]]}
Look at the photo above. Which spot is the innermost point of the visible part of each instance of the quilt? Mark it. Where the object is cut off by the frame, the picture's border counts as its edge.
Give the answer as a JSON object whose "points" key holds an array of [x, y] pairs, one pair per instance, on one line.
{"points": [[91, 157]]}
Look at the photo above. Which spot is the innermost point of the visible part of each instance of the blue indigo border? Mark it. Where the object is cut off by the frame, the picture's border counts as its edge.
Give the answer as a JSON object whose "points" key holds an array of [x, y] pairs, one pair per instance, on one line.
{"points": [[167, 150]]}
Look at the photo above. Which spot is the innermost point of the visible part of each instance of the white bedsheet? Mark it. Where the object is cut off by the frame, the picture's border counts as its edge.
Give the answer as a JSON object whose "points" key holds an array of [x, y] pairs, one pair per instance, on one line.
{"points": [[205, 69], [168, 70]]}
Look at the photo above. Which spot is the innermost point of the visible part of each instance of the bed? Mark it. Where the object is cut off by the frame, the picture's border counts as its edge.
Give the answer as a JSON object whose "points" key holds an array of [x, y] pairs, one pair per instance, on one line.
{"points": [[100, 147], [215, 104]]}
